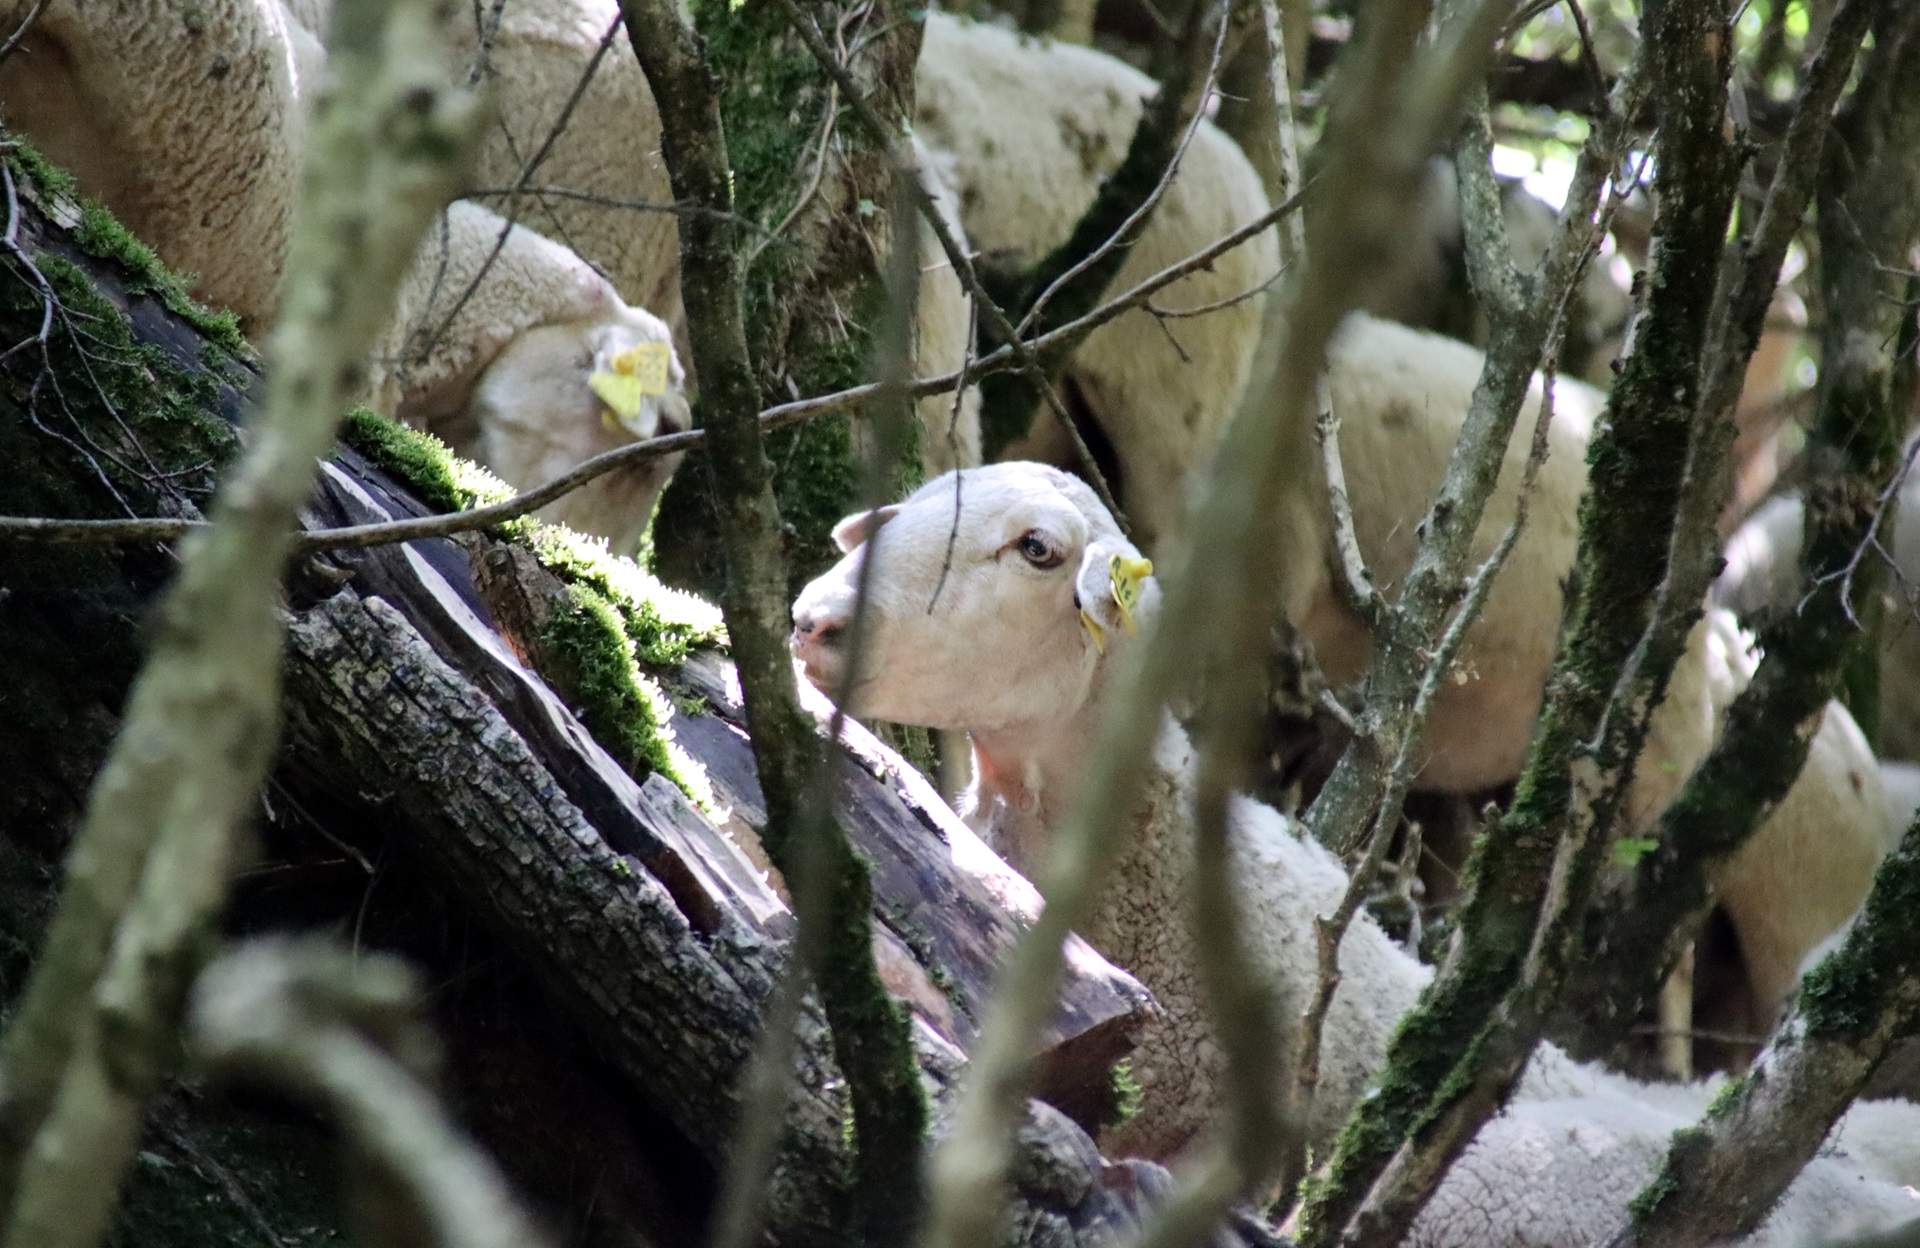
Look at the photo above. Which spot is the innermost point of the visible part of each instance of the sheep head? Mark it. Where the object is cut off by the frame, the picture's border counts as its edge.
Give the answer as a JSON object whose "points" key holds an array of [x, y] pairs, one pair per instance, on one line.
{"points": [[557, 394], [997, 593]]}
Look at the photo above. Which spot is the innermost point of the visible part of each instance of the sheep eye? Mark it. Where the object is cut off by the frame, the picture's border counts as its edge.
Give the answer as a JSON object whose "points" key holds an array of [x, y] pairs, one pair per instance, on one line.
{"points": [[1034, 549]]}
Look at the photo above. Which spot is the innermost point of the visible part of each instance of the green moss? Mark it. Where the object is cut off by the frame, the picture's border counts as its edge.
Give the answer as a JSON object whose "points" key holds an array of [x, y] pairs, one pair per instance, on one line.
{"points": [[1126, 1091], [100, 233], [1727, 1098], [423, 462], [1847, 992], [113, 382], [28, 161], [1684, 1142], [589, 656], [619, 616]]}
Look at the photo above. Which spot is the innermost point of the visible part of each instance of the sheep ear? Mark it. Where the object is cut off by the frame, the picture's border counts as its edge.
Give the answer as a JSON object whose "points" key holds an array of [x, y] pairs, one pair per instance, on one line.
{"points": [[859, 526]]}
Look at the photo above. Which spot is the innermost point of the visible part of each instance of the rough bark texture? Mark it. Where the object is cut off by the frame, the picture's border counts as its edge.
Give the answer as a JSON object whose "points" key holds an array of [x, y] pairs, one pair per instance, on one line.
{"points": [[605, 925], [1565, 798], [1867, 219]]}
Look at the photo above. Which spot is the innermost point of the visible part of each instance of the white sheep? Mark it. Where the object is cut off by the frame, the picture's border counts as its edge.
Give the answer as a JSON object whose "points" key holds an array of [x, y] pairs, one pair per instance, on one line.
{"points": [[510, 380], [1025, 130], [182, 119], [211, 190], [1005, 652]]}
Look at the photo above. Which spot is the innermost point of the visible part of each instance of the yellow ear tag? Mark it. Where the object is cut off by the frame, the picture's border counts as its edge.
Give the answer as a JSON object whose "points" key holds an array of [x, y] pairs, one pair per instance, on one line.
{"points": [[1094, 631], [634, 375], [1125, 574]]}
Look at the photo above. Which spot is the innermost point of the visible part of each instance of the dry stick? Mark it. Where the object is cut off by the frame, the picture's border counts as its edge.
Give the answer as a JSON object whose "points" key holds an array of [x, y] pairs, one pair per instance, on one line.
{"points": [[20, 31], [1342, 812], [1362, 188], [1669, 902], [1137, 218], [302, 1017], [390, 142], [780, 416], [742, 1199], [1276, 155], [1024, 357], [1246, 1010], [872, 1036], [512, 212]]}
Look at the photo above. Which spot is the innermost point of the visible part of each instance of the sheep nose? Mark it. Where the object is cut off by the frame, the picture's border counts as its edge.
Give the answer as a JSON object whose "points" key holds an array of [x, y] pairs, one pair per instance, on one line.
{"points": [[815, 630]]}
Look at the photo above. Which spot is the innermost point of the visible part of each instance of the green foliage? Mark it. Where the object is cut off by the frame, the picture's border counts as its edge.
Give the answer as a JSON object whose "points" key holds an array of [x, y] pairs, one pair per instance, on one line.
{"points": [[101, 234], [1629, 850]]}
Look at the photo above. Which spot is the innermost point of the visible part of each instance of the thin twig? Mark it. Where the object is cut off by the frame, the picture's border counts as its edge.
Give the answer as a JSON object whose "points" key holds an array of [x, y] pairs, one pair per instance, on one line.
{"points": [[20, 31]]}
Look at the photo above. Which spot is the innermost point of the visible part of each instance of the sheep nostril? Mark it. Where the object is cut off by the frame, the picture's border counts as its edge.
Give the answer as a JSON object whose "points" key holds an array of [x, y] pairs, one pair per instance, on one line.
{"points": [[817, 630]]}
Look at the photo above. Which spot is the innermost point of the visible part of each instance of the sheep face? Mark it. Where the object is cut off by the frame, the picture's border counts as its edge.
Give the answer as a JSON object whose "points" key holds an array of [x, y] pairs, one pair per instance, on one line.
{"points": [[559, 394], [1039, 586]]}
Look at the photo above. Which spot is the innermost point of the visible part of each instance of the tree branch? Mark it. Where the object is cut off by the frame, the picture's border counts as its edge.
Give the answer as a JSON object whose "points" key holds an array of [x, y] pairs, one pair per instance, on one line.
{"points": [[1457, 1053], [871, 1034], [1643, 928], [342, 1031], [1722, 1177]]}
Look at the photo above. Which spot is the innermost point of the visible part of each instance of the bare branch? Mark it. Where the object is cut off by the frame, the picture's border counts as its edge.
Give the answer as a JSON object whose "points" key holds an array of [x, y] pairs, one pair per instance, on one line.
{"points": [[929, 211], [780, 416], [871, 1034]]}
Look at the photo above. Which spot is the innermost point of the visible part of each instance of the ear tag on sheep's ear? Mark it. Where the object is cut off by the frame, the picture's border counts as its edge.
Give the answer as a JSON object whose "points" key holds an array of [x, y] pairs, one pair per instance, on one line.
{"points": [[1094, 631], [630, 378], [1125, 573]]}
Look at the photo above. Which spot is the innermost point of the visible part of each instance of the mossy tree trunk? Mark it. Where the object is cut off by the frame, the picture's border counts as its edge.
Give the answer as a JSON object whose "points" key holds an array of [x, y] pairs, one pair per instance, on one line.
{"points": [[814, 289]]}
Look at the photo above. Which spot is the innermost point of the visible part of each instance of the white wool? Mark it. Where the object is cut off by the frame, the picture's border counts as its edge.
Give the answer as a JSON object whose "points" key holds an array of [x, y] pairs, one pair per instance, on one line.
{"points": [[1028, 129], [209, 183], [181, 119], [1003, 653]]}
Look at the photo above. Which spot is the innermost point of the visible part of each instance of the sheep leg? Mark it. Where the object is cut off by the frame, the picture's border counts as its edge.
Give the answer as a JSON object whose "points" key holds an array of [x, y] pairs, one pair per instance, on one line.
{"points": [[1676, 1019]]}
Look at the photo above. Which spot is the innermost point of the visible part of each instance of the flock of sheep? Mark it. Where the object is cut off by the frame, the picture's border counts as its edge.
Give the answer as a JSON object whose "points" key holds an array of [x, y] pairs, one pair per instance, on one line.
{"points": [[187, 120]]}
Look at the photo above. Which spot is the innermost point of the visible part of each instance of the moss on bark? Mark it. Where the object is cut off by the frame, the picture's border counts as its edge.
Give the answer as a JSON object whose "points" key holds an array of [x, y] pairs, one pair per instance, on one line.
{"points": [[812, 295]]}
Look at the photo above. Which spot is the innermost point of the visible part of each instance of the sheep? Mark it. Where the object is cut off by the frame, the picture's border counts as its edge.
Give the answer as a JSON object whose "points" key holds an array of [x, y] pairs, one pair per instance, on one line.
{"points": [[238, 147], [1762, 574], [1013, 651], [510, 382], [182, 119], [1025, 130]]}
